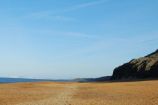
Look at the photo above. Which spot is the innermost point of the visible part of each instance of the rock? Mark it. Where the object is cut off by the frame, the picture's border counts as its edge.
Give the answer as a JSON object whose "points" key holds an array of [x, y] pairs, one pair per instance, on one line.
{"points": [[144, 67]]}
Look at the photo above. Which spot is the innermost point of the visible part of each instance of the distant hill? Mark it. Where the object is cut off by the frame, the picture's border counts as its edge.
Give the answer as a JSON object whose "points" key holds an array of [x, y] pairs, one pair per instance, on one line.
{"points": [[141, 68], [100, 79]]}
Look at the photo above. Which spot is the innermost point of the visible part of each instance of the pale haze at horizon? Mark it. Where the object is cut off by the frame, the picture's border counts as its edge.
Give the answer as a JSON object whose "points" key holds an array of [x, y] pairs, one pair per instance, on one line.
{"points": [[74, 38]]}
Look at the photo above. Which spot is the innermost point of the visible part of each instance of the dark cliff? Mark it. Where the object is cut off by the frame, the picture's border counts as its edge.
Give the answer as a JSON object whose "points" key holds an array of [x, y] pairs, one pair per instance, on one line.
{"points": [[141, 68]]}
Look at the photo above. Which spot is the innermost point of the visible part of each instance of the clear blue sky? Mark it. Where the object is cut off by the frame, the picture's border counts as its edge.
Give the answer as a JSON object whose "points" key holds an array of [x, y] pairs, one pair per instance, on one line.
{"points": [[74, 38]]}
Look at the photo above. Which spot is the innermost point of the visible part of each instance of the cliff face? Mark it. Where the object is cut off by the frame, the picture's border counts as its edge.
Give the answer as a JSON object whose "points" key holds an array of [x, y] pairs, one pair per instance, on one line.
{"points": [[145, 67]]}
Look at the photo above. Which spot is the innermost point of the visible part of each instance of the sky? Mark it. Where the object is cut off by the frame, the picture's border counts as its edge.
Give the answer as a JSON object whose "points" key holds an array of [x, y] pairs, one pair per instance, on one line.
{"points": [[64, 39]]}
